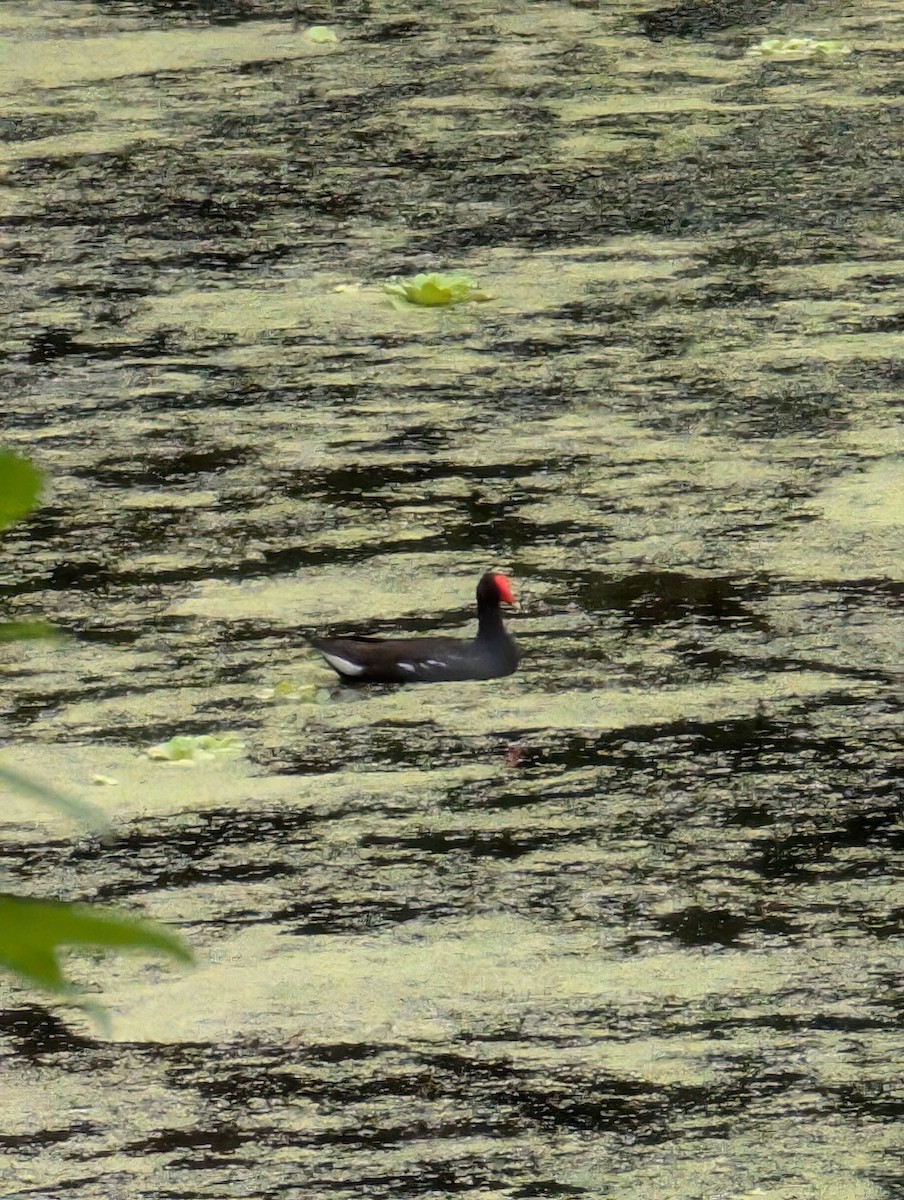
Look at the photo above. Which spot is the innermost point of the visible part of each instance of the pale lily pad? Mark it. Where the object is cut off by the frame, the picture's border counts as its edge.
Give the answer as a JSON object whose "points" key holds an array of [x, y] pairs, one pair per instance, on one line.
{"points": [[435, 290], [188, 749], [798, 47], [321, 34]]}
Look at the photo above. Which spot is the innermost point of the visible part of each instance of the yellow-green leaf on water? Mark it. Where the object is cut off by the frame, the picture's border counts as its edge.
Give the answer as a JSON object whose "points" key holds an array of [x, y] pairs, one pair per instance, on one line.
{"points": [[435, 290], [798, 47], [321, 34], [33, 931], [20, 486], [188, 748]]}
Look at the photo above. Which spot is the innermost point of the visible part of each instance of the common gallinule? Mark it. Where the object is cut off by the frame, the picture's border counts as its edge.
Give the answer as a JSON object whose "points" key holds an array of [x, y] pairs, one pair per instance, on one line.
{"points": [[431, 660]]}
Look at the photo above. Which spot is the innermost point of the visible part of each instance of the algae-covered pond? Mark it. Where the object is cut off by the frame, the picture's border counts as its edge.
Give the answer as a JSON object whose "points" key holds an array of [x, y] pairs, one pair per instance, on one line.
{"points": [[626, 924]]}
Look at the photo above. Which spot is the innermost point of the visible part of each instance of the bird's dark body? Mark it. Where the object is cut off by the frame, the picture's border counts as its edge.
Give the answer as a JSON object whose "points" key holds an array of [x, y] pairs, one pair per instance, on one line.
{"points": [[492, 654]]}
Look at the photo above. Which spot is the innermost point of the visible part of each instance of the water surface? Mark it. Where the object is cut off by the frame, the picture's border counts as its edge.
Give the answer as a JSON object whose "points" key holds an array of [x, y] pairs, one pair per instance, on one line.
{"points": [[625, 923]]}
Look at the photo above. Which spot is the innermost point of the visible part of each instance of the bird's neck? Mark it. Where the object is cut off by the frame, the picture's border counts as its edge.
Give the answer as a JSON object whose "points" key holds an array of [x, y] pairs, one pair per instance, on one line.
{"points": [[489, 625]]}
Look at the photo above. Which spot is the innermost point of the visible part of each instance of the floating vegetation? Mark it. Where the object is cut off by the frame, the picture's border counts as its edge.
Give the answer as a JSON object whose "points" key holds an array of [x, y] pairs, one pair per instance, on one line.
{"points": [[20, 631], [188, 749], [798, 47], [20, 487], [436, 290], [303, 699], [289, 692], [321, 34]]}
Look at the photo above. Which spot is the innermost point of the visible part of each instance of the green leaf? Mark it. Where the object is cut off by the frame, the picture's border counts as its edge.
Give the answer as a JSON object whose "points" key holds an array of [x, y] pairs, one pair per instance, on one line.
{"points": [[23, 631], [20, 486], [435, 290], [798, 47], [32, 932], [79, 810], [192, 748], [321, 34]]}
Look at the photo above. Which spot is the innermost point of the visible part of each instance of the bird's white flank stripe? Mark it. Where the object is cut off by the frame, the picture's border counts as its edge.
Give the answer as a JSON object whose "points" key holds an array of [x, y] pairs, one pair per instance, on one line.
{"points": [[343, 665], [408, 667]]}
